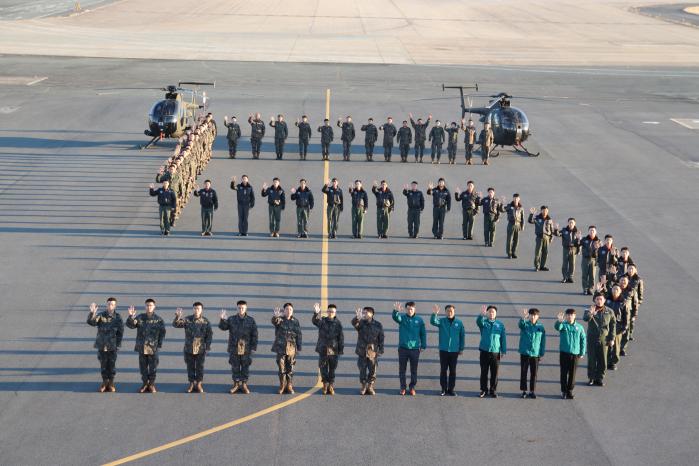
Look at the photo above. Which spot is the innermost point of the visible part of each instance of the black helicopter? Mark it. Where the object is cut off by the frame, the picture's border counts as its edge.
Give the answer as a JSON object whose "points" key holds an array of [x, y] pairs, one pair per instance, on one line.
{"points": [[510, 125]]}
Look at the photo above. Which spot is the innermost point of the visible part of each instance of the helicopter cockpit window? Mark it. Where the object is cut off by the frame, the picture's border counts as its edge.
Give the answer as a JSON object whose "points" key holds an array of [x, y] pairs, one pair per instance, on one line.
{"points": [[165, 108]]}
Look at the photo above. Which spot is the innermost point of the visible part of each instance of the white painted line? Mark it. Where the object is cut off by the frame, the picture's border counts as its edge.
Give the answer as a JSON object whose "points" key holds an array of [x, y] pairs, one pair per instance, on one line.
{"points": [[691, 164], [651, 122], [688, 123], [37, 80], [7, 110]]}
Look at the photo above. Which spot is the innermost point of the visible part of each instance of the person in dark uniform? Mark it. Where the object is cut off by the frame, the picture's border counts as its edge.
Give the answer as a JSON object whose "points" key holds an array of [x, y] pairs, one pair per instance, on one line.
{"points": [[441, 204], [281, 132], [110, 331], [452, 341], [167, 203], [257, 132], [492, 208], [246, 201], [420, 136], [470, 138], [304, 136], [437, 138], [304, 204], [638, 287], [589, 246], [287, 343], [347, 137], [149, 339], [532, 347], [619, 302], [404, 138], [360, 203], [607, 256], [369, 347], [208, 200], [452, 141], [416, 204], [335, 205], [371, 134], [600, 337], [623, 262], [572, 347], [515, 224], [242, 342], [492, 347], [469, 206], [486, 140], [385, 203], [412, 340], [330, 345], [276, 198], [233, 135], [544, 229], [570, 240], [197, 343], [326, 137], [389, 132]]}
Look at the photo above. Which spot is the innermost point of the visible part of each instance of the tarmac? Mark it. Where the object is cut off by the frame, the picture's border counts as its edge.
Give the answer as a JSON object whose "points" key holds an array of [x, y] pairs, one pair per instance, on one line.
{"points": [[618, 150]]}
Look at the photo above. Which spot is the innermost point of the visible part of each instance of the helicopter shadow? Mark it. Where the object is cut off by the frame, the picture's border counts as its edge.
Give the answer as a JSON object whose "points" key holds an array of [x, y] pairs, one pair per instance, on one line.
{"points": [[22, 142]]}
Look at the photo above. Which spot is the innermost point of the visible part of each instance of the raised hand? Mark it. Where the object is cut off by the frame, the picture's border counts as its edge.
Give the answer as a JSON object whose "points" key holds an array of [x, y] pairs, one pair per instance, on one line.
{"points": [[458, 190], [405, 186], [277, 311], [525, 314], [430, 185], [593, 310], [560, 316], [503, 200], [293, 190], [376, 184], [233, 179], [410, 115], [484, 310], [152, 186], [556, 226], [132, 311], [436, 309], [93, 308], [479, 194], [532, 210], [316, 308], [225, 118], [161, 170], [224, 314], [429, 117], [359, 313], [264, 186], [178, 313], [398, 306]]}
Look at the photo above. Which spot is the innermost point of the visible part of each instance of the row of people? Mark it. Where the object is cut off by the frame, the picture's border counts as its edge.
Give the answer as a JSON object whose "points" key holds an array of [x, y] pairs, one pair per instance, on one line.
{"points": [[575, 342], [438, 135], [179, 173]]}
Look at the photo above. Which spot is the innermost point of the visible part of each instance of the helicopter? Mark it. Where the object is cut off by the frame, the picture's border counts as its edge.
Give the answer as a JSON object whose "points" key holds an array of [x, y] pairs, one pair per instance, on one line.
{"points": [[510, 125]]}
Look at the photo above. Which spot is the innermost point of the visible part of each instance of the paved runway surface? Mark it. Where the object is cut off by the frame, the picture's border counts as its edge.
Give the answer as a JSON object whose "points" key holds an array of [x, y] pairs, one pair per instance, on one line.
{"points": [[77, 226]]}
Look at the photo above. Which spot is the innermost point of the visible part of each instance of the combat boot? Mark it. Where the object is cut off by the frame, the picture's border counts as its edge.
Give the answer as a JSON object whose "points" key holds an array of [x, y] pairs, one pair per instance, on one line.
{"points": [[110, 385], [200, 387], [289, 387], [362, 391], [235, 387], [244, 388], [152, 388], [325, 388], [282, 384], [331, 389], [104, 386], [370, 389], [144, 388], [190, 389]]}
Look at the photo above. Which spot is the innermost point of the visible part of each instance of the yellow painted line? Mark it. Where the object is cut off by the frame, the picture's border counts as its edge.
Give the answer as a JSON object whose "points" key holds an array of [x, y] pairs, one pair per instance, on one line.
{"points": [[692, 10], [278, 406]]}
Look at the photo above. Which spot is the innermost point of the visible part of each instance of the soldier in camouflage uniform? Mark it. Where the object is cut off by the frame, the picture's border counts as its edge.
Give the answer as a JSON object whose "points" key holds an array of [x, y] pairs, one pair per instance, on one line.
{"points": [[287, 342], [242, 342], [197, 343], [469, 207], [149, 339], [330, 345], [110, 330], [600, 337], [370, 338]]}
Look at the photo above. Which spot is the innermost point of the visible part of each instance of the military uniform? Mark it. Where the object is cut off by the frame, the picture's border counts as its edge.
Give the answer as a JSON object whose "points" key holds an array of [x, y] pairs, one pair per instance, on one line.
{"points": [[404, 138], [544, 231], [384, 206], [389, 132], [492, 208], [486, 139], [246, 200], [326, 137], [110, 331], [437, 138], [420, 137], [304, 138], [257, 132], [208, 200], [416, 204], [281, 132], [441, 204], [232, 136], [276, 199], [606, 261], [287, 342], [149, 339], [304, 205], [370, 339], [370, 137], [470, 140], [469, 207], [360, 203], [636, 284], [622, 313], [242, 341], [515, 224], [331, 344], [452, 142], [600, 333], [335, 204], [571, 248], [197, 342], [589, 263], [167, 203], [347, 138]]}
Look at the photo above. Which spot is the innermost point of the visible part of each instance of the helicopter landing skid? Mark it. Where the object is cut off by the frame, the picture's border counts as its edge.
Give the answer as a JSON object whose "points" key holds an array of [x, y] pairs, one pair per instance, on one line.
{"points": [[150, 143], [521, 148]]}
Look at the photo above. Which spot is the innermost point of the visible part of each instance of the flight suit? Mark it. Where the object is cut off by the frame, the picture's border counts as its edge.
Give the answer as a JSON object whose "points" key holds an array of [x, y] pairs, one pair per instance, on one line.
{"points": [[257, 132], [208, 200], [232, 137], [281, 131], [326, 137], [370, 137], [492, 208], [384, 206], [420, 137], [469, 206], [600, 333], [304, 138], [416, 204], [287, 342], [486, 139], [571, 248], [360, 202], [389, 132], [470, 140], [636, 284], [276, 199], [437, 138], [452, 142], [347, 137], [441, 204], [404, 138], [304, 205], [622, 314], [589, 263], [242, 341], [544, 231], [166, 205], [335, 204], [246, 201]]}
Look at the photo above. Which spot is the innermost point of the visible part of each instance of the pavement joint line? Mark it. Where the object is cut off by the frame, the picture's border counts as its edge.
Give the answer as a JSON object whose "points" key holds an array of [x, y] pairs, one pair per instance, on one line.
{"points": [[37, 80], [684, 122]]}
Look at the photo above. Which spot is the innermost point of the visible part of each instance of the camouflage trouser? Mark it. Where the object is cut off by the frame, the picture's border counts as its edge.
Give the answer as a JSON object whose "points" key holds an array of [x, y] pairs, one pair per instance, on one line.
{"points": [[357, 221], [596, 359], [367, 369], [588, 268], [327, 365], [467, 224], [240, 366], [382, 220], [512, 239], [148, 365], [195, 366], [302, 214], [286, 365], [413, 222], [107, 361], [541, 251], [568, 267]]}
